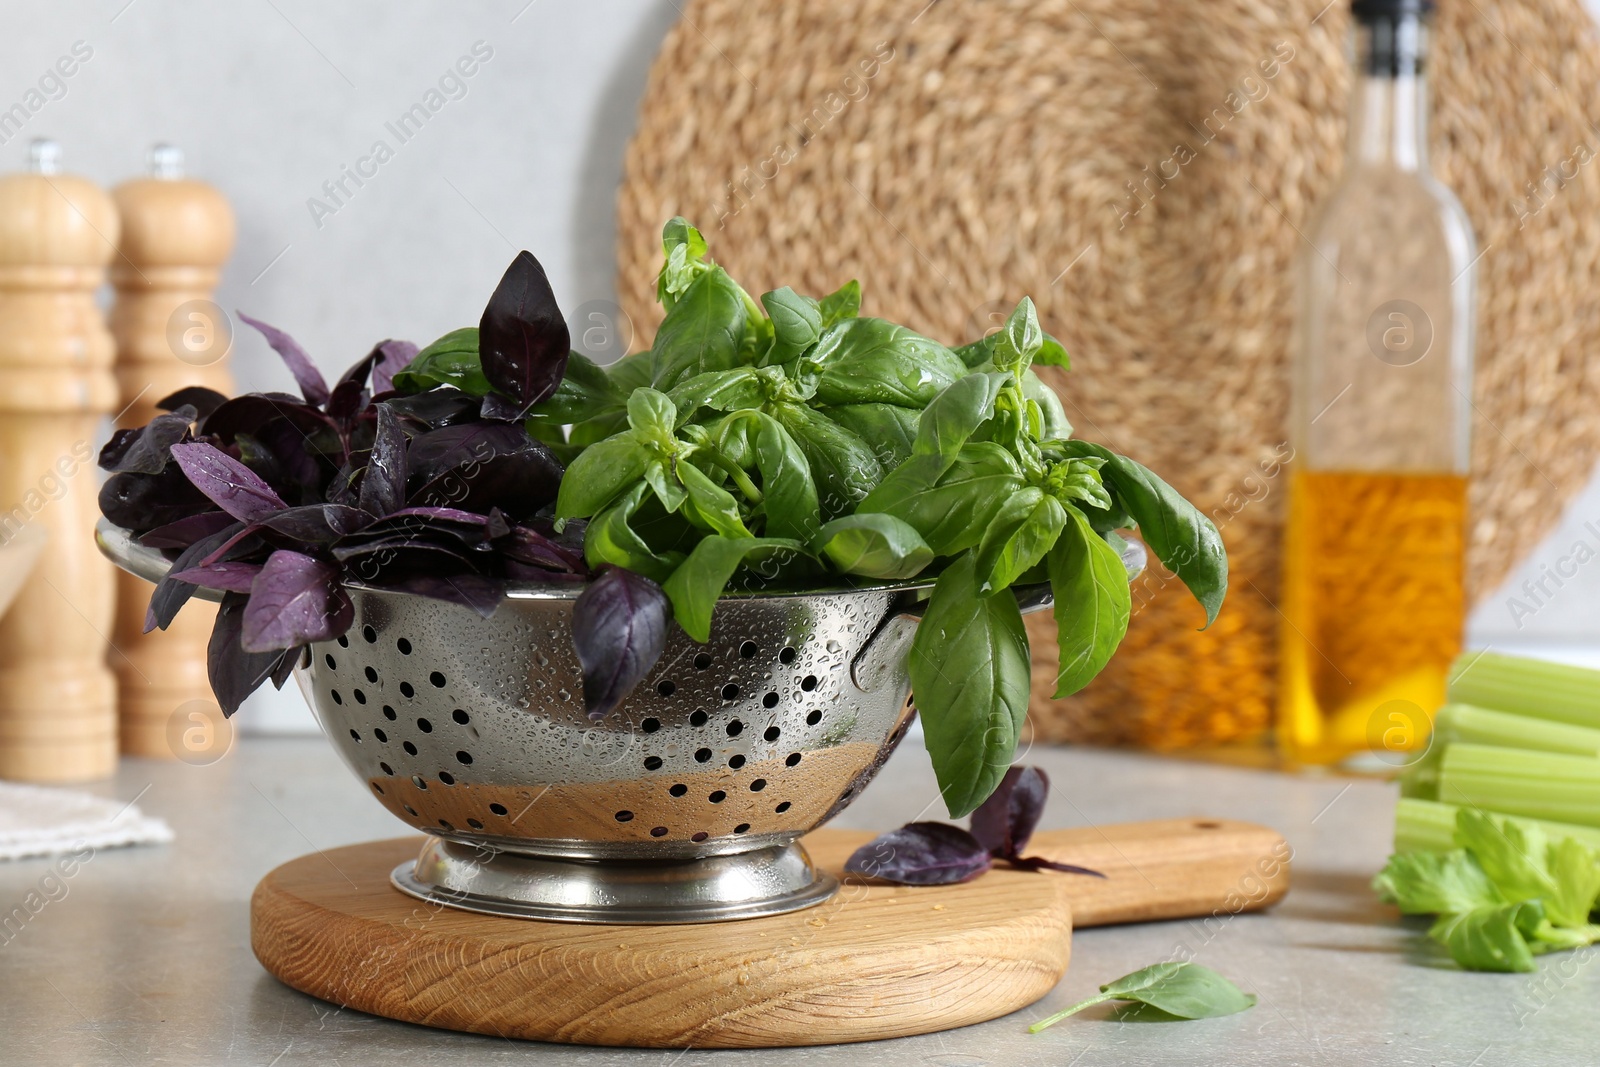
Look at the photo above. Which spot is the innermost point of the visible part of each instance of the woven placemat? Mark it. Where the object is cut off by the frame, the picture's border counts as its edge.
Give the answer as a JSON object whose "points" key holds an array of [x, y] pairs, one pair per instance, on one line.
{"points": [[1144, 170]]}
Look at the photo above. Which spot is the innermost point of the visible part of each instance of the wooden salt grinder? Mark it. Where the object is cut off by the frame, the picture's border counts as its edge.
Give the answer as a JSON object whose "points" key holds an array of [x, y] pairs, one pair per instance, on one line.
{"points": [[176, 234], [57, 696]]}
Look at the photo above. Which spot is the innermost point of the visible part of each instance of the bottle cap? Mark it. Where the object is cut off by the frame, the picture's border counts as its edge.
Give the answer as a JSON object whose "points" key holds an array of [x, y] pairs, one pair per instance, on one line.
{"points": [[1369, 10], [44, 156]]}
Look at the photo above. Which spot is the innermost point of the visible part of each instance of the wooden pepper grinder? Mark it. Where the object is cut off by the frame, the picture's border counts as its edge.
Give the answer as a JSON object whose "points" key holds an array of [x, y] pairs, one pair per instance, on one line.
{"points": [[57, 696], [176, 234]]}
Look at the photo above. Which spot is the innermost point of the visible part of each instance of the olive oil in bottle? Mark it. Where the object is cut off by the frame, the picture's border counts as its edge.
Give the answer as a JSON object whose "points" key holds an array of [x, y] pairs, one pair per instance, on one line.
{"points": [[1372, 598]]}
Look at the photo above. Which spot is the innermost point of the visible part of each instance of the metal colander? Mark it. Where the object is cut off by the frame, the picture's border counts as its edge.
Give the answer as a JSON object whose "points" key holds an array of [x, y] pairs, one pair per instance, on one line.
{"points": [[682, 805]]}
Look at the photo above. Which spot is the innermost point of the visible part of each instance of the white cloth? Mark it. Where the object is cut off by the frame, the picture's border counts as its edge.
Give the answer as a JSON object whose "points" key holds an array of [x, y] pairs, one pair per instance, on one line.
{"points": [[35, 821]]}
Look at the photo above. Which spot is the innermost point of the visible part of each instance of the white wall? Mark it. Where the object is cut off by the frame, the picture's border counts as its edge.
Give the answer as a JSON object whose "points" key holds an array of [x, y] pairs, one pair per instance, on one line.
{"points": [[271, 98]]}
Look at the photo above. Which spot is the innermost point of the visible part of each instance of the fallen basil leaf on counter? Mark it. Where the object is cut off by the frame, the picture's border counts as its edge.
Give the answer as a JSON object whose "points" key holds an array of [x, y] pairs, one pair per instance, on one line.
{"points": [[1181, 989]]}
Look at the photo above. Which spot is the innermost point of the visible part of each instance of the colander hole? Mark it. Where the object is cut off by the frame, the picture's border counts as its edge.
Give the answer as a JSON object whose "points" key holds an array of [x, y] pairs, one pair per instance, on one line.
{"points": [[788, 655], [436, 680], [337, 699], [344, 642], [772, 733], [409, 810], [748, 650], [377, 788], [650, 725], [369, 635], [809, 682], [411, 750], [781, 808], [418, 781], [447, 778], [678, 790], [702, 661], [699, 835], [446, 824], [386, 769], [624, 816], [425, 726], [380, 735], [814, 718], [758, 785], [461, 717], [388, 713], [498, 809], [463, 757], [735, 728], [475, 824], [372, 675], [697, 719], [361, 698], [329, 660], [770, 700], [658, 831], [730, 692], [793, 760], [355, 737], [736, 761], [652, 763], [667, 688], [741, 828], [717, 796], [404, 646], [702, 755], [406, 690]]}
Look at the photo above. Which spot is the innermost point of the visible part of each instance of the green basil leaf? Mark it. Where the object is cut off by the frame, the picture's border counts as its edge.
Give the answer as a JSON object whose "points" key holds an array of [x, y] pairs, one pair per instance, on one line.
{"points": [[789, 494], [1055, 425], [669, 491], [1092, 602], [888, 429], [952, 514], [652, 415], [1493, 938], [969, 668], [843, 303], [1175, 530], [1022, 532], [685, 252], [868, 360], [843, 467], [702, 332], [1181, 989], [695, 586], [952, 417], [611, 538], [975, 354], [1019, 339], [711, 507], [451, 360], [600, 474], [796, 322], [874, 545], [630, 372], [585, 392], [720, 390]]}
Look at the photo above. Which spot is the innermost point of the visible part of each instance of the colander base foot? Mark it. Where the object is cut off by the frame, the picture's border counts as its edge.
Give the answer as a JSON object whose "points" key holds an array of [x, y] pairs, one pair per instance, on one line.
{"points": [[747, 885]]}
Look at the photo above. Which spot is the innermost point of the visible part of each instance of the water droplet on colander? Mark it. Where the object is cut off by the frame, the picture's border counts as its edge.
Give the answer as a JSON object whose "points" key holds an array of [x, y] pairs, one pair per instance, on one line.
{"points": [[834, 646], [564, 694]]}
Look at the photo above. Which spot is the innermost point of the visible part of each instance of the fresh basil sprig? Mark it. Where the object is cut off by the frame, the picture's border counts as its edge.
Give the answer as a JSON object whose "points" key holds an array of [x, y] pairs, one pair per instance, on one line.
{"points": [[1181, 989]]}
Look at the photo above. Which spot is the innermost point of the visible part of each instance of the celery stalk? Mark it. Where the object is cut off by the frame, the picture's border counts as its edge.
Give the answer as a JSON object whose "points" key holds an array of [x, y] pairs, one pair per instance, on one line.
{"points": [[1429, 826], [1511, 781], [1483, 726], [1535, 688]]}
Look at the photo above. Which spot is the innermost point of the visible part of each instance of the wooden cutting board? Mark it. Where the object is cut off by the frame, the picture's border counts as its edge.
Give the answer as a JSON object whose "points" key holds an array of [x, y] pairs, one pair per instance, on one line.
{"points": [[875, 961]]}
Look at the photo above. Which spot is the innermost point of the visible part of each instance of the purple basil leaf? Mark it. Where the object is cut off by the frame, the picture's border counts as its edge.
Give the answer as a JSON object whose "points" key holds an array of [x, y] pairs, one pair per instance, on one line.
{"points": [[142, 502], [496, 408], [1005, 821], [316, 523], [233, 576], [447, 515], [383, 486], [312, 385], [518, 571], [203, 400], [144, 450], [477, 466], [528, 546], [437, 408], [229, 484], [523, 342], [186, 531], [235, 673], [498, 524], [1034, 863], [171, 592], [346, 401], [294, 600], [921, 853], [619, 627], [253, 412], [286, 664], [476, 591], [393, 356]]}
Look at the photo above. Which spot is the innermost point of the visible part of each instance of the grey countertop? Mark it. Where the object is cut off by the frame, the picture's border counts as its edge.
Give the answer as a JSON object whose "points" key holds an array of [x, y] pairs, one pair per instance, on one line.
{"points": [[146, 958]]}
